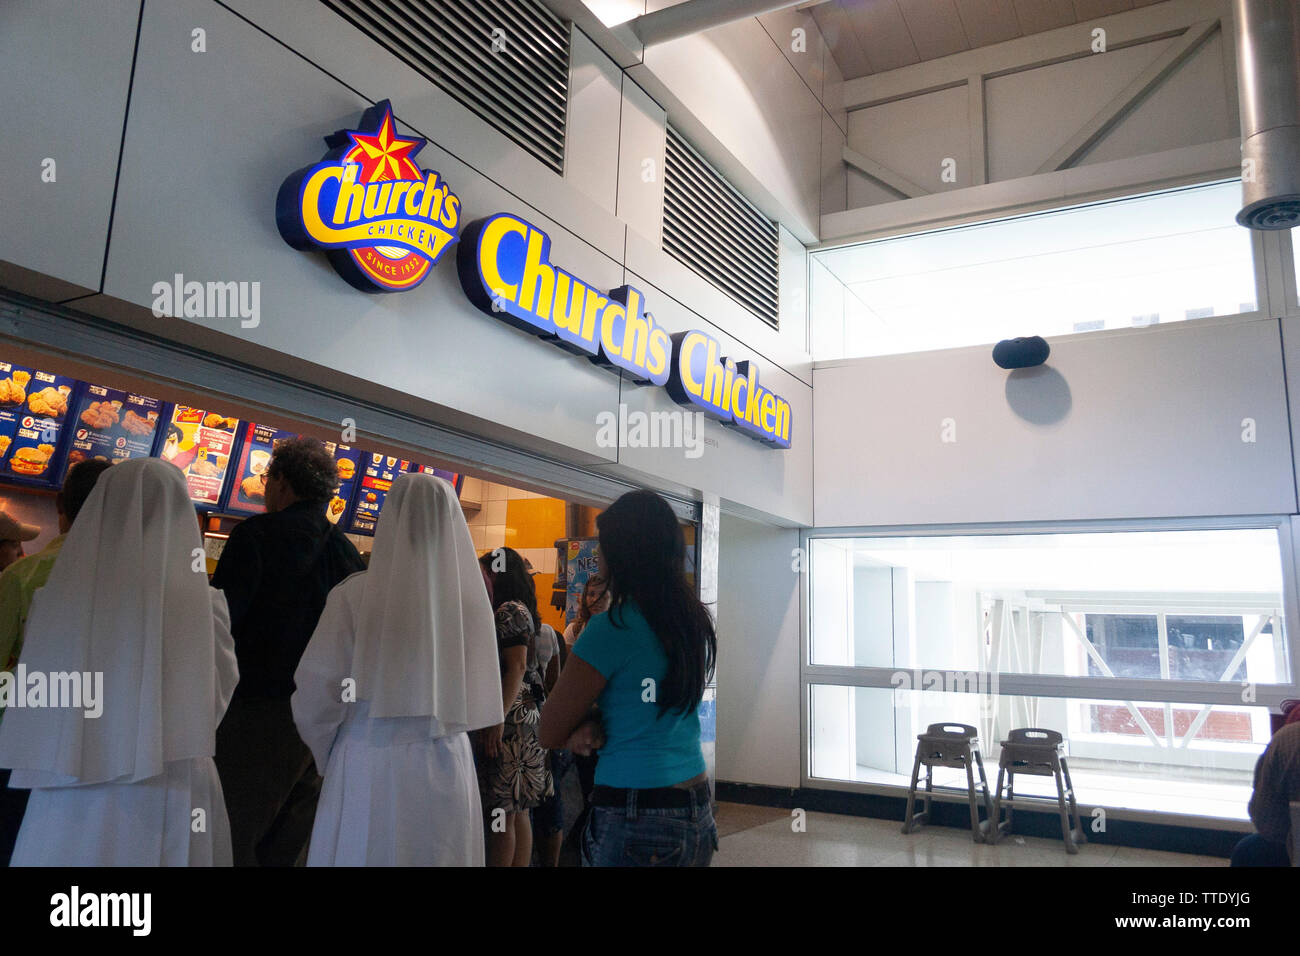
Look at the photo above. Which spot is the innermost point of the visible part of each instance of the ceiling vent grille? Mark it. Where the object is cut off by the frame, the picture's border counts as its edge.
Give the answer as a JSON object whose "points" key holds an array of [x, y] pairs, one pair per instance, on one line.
{"points": [[505, 60], [714, 230]]}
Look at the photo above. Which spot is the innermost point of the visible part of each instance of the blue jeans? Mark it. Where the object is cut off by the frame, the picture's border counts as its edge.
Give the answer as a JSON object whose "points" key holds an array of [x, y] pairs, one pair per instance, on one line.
{"points": [[636, 836]]}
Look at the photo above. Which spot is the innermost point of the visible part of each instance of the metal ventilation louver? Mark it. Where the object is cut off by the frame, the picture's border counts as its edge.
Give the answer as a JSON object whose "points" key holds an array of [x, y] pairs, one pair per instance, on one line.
{"points": [[506, 60], [711, 228]]}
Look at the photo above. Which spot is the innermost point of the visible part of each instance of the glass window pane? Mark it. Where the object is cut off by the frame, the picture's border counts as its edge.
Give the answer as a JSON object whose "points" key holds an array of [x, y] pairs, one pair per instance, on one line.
{"points": [[1161, 757], [1128, 645], [1152, 605], [1209, 647], [1166, 257]]}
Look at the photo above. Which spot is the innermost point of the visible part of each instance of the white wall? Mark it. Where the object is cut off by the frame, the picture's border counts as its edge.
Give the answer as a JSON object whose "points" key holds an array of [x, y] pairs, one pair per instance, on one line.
{"points": [[1137, 424], [58, 229], [595, 108], [758, 654]]}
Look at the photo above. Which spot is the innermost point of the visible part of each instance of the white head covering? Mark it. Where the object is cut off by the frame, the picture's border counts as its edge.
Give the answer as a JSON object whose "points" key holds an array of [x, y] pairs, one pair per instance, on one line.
{"points": [[426, 636], [123, 599]]}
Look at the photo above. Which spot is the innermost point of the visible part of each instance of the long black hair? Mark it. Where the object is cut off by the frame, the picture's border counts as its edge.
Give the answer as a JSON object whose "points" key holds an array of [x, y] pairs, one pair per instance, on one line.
{"points": [[514, 583], [644, 555]]}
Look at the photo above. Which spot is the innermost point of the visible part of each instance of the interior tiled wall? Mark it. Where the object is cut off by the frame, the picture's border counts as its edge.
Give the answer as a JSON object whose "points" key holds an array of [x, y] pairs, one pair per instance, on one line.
{"points": [[528, 522]]}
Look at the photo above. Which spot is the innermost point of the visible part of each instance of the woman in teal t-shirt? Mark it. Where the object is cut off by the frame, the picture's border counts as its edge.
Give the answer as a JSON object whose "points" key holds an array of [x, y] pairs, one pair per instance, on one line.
{"points": [[645, 663]]}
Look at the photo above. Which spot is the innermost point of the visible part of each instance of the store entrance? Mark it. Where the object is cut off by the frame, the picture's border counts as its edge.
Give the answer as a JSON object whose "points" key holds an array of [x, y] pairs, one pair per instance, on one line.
{"points": [[57, 410]]}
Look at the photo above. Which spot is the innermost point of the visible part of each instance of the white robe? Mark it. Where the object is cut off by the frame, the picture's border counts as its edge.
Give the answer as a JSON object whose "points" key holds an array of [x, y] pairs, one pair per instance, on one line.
{"points": [[151, 822], [135, 785], [398, 791]]}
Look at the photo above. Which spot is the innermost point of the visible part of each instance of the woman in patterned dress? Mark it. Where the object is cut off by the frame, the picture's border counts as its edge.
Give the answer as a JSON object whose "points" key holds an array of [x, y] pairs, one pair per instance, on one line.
{"points": [[513, 770]]}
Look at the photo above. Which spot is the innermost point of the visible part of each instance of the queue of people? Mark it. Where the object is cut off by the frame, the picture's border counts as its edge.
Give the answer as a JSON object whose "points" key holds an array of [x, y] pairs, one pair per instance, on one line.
{"points": [[308, 709]]}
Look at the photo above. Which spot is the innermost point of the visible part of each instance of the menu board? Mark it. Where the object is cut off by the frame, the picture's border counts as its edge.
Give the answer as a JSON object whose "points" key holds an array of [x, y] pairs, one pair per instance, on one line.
{"points": [[248, 490], [33, 413], [112, 426], [377, 475], [450, 477], [199, 443], [349, 461]]}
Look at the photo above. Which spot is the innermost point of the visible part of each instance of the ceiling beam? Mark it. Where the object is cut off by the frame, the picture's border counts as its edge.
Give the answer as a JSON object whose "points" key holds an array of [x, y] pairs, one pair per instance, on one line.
{"points": [[883, 174], [1129, 28], [695, 16], [1127, 99], [1184, 166]]}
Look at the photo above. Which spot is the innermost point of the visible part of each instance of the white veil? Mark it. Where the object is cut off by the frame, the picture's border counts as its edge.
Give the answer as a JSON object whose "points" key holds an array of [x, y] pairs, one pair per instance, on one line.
{"points": [[124, 599], [426, 637]]}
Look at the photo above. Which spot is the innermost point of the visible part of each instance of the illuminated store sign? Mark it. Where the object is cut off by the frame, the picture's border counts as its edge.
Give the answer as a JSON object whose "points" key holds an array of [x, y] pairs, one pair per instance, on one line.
{"points": [[505, 269], [727, 389], [382, 220]]}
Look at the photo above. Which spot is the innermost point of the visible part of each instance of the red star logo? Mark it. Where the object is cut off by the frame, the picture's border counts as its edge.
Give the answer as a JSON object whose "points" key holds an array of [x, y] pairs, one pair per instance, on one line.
{"points": [[383, 155]]}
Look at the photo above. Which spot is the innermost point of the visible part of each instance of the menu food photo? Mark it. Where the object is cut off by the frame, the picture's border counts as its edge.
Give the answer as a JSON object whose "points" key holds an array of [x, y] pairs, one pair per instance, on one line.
{"points": [[112, 426], [349, 461], [377, 476], [199, 443], [33, 412], [248, 491]]}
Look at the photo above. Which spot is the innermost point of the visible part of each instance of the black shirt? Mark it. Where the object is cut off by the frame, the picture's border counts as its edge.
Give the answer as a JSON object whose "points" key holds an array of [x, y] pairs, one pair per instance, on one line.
{"points": [[276, 571]]}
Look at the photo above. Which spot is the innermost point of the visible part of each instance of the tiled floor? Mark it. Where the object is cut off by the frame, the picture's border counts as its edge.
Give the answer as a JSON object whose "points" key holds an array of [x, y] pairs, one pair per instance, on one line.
{"points": [[764, 836]]}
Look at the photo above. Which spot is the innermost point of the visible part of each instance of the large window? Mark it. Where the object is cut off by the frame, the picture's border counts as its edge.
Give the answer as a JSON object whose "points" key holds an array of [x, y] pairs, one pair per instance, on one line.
{"points": [[1154, 259], [1153, 652], [1158, 757]]}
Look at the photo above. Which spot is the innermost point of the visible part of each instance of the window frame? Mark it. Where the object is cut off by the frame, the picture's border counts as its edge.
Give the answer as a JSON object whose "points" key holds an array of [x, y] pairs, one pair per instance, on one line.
{"points": [[1055, 686]]}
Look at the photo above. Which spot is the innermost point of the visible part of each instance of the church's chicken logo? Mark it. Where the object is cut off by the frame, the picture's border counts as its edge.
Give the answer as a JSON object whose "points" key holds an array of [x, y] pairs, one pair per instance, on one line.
{"points": [[382, 220]]}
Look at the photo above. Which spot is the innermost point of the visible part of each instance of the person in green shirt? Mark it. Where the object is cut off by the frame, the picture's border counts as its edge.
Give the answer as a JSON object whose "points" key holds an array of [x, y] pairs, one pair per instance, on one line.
{"points": [[12, 535], [18, 583]]}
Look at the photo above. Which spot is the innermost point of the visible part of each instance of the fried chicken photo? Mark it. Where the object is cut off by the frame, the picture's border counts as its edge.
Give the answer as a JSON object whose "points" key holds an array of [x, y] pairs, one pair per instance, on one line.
{"points": [[134, 424], [100, 416], [12, 391], [49, 402], [253, 487]]}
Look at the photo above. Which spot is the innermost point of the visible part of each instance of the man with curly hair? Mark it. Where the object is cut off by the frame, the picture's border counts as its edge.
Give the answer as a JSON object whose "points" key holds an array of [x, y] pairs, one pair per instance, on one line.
{"points": [[276, 571]]}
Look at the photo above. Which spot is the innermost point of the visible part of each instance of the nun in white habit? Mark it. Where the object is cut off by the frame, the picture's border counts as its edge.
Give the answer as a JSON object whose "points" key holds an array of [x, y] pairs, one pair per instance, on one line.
{"points": [[134, 785], [403, 663]]}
